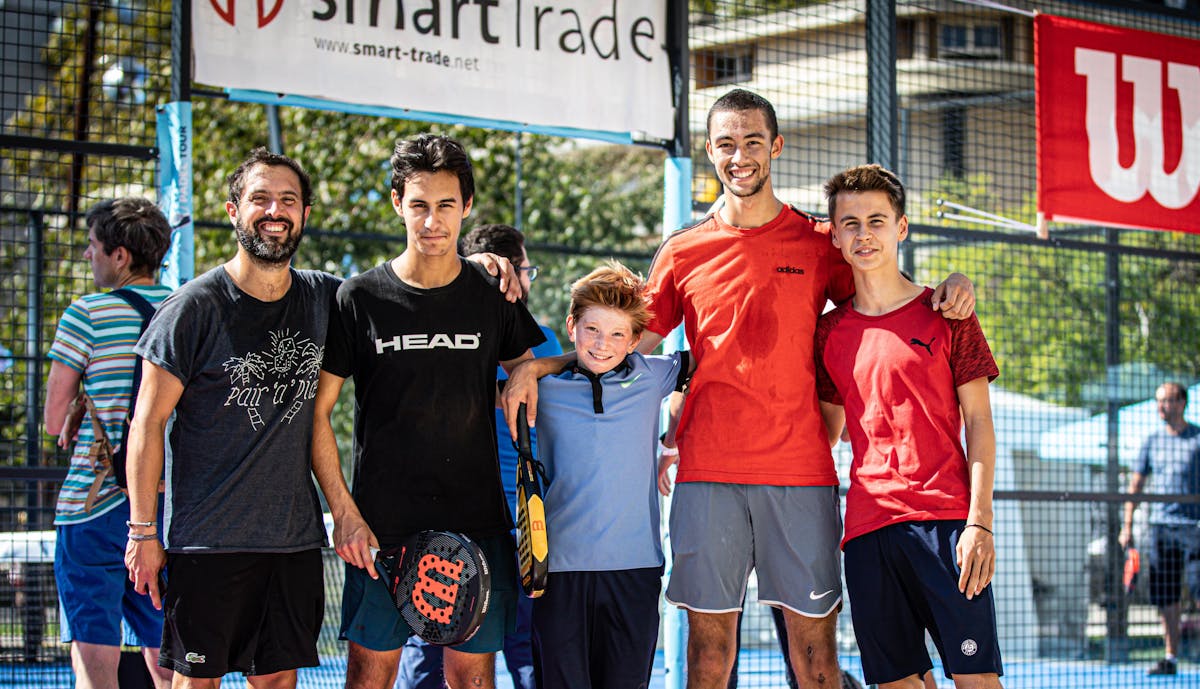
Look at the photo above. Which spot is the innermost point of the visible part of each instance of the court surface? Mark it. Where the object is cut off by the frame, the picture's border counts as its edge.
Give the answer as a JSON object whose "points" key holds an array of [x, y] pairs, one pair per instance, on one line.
{"points": [[759, 668]]}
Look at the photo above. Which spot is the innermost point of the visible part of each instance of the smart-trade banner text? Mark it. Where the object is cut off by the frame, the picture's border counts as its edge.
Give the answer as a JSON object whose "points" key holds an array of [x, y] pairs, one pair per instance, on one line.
{"points": [[586, 64], [1118, 119]]}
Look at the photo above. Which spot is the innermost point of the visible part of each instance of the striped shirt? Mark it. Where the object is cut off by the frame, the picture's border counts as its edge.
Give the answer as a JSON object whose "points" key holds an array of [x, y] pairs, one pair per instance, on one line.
{"points": [[95, 338]]}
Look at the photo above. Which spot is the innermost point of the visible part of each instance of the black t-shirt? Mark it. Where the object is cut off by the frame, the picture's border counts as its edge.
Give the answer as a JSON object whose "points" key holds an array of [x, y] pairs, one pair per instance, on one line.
{"points": [[424, 369]]}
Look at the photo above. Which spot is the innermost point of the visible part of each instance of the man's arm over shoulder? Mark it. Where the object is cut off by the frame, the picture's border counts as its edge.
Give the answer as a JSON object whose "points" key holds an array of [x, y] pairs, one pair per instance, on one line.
{"points": [[955, 297]]}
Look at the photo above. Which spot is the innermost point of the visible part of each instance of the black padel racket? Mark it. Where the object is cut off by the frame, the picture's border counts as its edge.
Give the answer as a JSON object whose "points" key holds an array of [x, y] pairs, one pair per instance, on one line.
{"points": [[533, 547], [441, 584]]}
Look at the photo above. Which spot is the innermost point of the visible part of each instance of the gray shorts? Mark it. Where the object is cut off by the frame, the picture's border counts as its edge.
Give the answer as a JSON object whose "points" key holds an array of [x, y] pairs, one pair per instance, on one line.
{"points": [[788, 534]]}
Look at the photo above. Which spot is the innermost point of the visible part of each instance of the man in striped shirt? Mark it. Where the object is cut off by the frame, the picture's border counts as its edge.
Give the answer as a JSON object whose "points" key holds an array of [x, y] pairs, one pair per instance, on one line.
{"points": [[93, 347]]}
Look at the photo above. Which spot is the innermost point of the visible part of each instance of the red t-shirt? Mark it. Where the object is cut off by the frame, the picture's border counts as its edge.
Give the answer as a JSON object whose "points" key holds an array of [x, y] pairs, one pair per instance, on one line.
{"points": [[898, 376], [749, 300]]}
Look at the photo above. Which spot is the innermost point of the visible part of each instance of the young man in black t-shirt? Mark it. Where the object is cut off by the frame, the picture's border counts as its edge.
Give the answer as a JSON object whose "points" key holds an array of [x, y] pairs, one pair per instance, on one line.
{"points": [[421, 335]]}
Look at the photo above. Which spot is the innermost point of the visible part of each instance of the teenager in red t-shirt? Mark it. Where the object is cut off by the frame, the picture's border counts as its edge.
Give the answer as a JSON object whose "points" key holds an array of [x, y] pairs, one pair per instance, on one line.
{"points": [[918, 541]]}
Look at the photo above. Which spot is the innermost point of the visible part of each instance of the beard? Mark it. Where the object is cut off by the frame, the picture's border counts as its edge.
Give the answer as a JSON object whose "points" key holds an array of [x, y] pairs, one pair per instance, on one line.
{"points": [[268, 250]]}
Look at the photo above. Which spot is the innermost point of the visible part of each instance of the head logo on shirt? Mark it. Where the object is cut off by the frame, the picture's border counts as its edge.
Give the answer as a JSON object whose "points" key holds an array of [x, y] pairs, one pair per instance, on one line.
{"points": [[403, 343]]}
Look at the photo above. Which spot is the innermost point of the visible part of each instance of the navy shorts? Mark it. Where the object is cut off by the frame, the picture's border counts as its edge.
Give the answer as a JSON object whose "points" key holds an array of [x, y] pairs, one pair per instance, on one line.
{"points": [[256, 613], [1174, 553], [596, 629], [903, 581]]}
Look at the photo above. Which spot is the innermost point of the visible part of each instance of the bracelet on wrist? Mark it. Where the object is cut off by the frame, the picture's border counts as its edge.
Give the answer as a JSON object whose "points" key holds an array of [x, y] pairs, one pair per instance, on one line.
{"points": [[139, 537], [130, 523], [667, 451], [979, 526]]}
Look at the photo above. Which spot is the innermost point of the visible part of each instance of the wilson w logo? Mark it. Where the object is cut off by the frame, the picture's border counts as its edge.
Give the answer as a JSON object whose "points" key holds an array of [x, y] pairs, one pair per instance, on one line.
{"points": [[228, 13], [1147, 173], [427, 583]]}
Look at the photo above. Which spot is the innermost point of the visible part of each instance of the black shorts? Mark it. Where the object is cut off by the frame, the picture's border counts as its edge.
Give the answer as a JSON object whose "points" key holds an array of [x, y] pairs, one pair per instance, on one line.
{"points": [[903, 581], [257, 613], [1173, 555], [596, 629]]}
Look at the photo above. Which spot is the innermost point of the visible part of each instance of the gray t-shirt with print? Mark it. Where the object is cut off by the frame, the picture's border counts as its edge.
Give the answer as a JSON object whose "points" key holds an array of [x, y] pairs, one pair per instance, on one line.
{"points": [[238, 465]]}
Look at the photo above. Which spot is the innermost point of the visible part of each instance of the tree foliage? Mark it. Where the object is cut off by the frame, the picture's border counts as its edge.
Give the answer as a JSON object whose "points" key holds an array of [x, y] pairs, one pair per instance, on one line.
{"points": [[1044, 307], [580, 201]]}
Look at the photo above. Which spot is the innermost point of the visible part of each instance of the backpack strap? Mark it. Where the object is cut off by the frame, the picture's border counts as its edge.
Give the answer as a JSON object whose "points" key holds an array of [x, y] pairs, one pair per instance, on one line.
{"points": [[99, 453], [146, 310]]}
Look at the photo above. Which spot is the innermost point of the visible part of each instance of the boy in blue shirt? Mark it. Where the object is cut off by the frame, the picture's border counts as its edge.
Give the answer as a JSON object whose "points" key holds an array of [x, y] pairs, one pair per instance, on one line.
{"points": [[597, 624]]}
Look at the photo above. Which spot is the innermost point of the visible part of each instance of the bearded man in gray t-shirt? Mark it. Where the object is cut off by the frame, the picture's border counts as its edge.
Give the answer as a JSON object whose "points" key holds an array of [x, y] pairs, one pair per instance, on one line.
{"points": [[229, 376]]}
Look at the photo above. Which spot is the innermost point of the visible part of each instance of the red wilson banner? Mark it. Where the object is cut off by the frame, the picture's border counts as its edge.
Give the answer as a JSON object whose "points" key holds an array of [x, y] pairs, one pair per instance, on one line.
{"points": [[1118, 125]]}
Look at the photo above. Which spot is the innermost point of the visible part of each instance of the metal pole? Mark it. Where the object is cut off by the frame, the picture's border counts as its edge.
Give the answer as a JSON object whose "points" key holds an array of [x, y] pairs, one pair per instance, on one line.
{"points": [[181, 50], [519, 194], [33, 362], [274, 131], [677, 212], [1116, 647], [83, 101], [881, 82]]}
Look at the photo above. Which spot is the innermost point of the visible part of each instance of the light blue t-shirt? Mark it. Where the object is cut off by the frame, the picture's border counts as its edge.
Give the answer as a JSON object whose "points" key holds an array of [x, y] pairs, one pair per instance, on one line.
{"points": [[597, 438], [1171, 464]]}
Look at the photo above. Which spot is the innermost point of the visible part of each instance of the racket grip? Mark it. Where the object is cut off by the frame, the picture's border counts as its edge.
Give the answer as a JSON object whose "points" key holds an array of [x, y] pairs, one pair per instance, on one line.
{"points": [[524, 446]]}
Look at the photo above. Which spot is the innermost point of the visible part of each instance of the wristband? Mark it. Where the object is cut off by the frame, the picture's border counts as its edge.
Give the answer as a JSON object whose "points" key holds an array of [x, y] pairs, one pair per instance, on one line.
{"points": [[667, 451], [132, 524], [139, 537], [979, 526]]}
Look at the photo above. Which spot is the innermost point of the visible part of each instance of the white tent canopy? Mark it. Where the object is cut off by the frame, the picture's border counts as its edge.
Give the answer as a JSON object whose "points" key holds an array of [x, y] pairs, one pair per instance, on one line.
{"points": [[1087, 441]]}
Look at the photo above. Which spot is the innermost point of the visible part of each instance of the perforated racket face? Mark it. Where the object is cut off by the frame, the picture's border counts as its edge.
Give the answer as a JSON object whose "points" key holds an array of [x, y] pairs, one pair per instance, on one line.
{"points": [[442, 586]]}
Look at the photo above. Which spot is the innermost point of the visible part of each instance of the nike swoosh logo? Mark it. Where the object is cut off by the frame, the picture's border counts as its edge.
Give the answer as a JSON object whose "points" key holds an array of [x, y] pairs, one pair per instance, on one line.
{"points": [[630, 381], [812, 595]]}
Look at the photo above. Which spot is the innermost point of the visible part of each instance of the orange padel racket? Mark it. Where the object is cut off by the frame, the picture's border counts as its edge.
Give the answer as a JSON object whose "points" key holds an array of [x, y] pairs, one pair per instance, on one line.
{"points": [[441, 584]]}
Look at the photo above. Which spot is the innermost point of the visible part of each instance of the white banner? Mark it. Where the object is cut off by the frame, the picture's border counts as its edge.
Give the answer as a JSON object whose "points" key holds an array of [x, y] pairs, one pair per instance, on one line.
{"points": [[587, 64]]}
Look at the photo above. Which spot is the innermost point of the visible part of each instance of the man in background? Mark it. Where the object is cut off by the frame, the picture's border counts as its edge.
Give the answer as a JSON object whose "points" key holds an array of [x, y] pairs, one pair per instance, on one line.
{"points": [[1170, 461], [93, 347]]}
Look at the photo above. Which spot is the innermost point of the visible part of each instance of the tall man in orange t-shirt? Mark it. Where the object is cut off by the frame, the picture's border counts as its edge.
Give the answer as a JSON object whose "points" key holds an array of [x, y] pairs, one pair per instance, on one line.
{"points": [[748, 282]]}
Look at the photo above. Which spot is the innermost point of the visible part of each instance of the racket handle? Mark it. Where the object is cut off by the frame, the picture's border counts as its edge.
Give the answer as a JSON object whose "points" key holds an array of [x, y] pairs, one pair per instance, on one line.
{"points": [[524, 446]]}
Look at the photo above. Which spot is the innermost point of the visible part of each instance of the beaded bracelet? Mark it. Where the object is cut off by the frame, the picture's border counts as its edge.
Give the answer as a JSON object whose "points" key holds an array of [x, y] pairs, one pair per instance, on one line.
{"points": [[143, 537]]}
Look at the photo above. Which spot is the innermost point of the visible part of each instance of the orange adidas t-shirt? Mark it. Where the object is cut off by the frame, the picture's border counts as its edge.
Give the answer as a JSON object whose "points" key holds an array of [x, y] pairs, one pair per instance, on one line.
{"points": [[749, 300]]}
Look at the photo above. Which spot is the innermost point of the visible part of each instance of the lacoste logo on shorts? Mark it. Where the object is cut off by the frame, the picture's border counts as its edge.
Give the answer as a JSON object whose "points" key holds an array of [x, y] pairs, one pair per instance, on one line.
{"points": [[196, 658], [813, 595], [969, 647]]}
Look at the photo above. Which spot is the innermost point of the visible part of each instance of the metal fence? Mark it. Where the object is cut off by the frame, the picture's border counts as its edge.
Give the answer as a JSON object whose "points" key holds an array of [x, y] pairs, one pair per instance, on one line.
{"points": [[1084, 326]]}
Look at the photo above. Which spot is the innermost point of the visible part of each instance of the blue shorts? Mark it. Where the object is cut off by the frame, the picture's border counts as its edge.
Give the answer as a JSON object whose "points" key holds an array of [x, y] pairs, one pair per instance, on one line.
{"points": [[94, 591], [370, 618], [903, 581]]}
